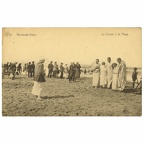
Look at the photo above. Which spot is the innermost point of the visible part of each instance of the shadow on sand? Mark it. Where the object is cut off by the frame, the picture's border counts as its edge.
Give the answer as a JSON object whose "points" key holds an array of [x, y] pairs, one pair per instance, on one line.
{"points": [[131, 90], [57, 96], [128, 90]]}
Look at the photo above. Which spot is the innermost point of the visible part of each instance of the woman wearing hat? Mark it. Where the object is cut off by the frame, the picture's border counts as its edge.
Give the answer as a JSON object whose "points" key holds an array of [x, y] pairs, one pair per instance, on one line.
{"points": [[39, 78]]}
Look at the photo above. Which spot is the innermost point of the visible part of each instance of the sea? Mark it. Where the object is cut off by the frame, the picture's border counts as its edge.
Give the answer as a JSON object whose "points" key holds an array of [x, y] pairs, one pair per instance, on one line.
{"points": [[129, 71]]}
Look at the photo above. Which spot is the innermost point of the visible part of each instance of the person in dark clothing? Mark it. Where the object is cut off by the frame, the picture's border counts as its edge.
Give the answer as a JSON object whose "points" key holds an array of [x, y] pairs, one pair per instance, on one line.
{"points": [[85, 71], [78, 71], [6, 67], [19, 68], [29, 69], [72, 72], [12, 70], [50, 69], [134, 76], [61, 70], [32, 69]]}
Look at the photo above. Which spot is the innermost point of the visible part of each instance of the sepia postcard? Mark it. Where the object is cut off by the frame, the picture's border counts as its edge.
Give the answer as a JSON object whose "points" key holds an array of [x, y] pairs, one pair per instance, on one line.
{"points": [[72, 71]]}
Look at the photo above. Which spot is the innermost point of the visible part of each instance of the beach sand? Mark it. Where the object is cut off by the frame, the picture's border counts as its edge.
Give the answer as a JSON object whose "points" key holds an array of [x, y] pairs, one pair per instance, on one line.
{"points": [[67, 99]]}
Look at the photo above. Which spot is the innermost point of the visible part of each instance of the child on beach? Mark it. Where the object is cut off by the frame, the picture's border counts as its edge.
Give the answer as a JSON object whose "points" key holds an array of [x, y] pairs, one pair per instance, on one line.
{"points": [[115, 77], [134, 76]]}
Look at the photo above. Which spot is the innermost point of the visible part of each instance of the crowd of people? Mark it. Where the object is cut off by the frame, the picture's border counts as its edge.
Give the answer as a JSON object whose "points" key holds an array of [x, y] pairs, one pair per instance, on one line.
{"points": [[106, 75], [71, 72], [109, 75], [112, 75], [13, 69]]}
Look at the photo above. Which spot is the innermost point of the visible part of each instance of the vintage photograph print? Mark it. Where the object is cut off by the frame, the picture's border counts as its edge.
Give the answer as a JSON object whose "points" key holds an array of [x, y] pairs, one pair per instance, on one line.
{"points": [[72, 71]]}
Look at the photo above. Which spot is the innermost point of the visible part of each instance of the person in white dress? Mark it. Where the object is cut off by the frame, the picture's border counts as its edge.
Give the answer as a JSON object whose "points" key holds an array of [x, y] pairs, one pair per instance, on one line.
{"points": [[109, 72], [103, 75], [122, 74], [66, 71], [96, 74], [115, 77]]}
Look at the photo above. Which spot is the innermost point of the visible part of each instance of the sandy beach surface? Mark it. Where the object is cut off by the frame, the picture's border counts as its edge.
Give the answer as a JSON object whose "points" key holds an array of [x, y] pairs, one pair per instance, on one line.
{"points": [[61, 98]]}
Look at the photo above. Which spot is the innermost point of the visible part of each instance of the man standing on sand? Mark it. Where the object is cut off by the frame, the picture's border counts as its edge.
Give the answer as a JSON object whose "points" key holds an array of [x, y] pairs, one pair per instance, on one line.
{"points": [[61, 70], [29, 69], [78, 71], [24, 68], [50, 69], [19, 68], [109, 73], [121, 74], [32, 69], [12, 70], [72, 72]]}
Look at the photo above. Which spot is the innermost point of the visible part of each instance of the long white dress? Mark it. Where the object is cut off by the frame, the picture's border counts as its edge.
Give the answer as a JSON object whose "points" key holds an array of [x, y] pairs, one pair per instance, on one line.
{"points": [[37, 88], [109, 74], [115, 79], [122, 76], [96, 75], [103, 75]]}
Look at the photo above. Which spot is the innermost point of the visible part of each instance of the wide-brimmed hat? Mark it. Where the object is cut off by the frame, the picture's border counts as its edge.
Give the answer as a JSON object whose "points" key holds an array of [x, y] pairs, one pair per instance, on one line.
{"points": [[42, 61]]}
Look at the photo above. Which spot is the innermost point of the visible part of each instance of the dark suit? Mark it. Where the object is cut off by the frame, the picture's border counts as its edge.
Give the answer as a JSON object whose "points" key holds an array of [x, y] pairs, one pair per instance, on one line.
{"points": [[29, 68], [12, 70], [50, 68], [61, 71], [32, 70], [72, 72]]}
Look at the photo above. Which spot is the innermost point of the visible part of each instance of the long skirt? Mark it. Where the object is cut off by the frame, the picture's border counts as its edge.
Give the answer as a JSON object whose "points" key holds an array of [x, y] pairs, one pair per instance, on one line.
{"points": [[77, 74], [103, 79], [121, 83], [109, 79], [96, 79], [66, 74], [115, 82], [37, 88]]}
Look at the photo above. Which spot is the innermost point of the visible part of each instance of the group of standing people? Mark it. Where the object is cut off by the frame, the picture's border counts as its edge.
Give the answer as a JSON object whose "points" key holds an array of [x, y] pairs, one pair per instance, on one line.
{"points": [[109, 75], [71, 72], [54, 70], [12, 69], [29, 69]]}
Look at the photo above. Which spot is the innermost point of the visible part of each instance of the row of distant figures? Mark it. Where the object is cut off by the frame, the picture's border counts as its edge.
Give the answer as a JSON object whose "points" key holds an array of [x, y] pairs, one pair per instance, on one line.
{"points": [[8, 74]]}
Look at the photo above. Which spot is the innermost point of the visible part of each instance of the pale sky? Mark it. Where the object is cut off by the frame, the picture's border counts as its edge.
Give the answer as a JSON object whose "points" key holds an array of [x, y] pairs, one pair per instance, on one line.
{"points": [[66, 45]]}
